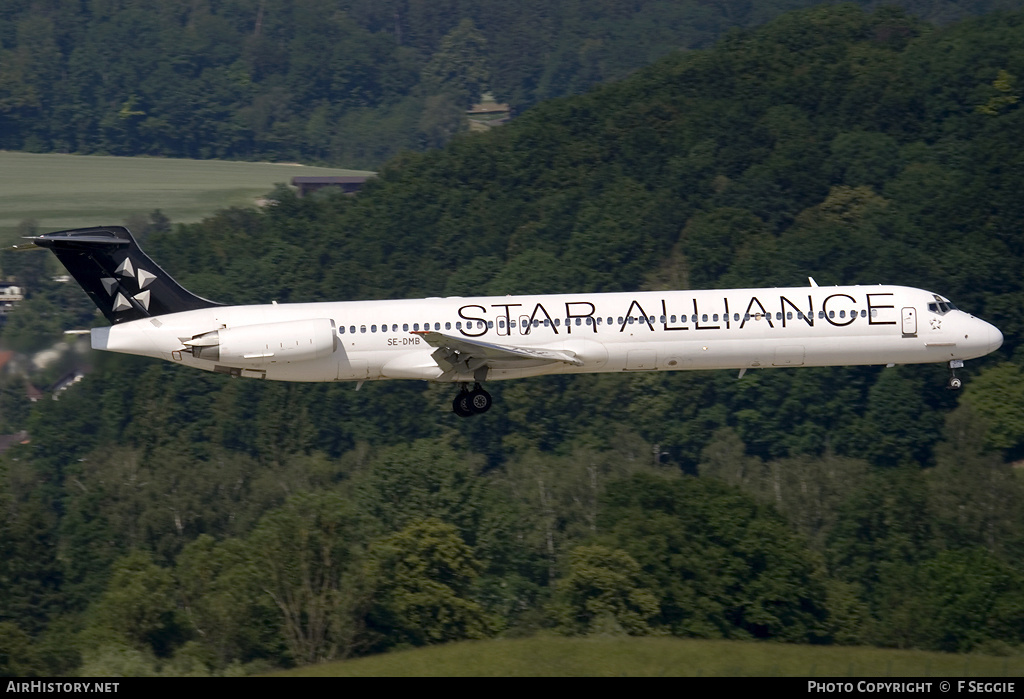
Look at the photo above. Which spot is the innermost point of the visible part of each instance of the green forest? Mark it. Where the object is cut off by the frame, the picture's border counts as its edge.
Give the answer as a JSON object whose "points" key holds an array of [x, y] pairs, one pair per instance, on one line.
{"points": [[166, 521], [342, 82]]}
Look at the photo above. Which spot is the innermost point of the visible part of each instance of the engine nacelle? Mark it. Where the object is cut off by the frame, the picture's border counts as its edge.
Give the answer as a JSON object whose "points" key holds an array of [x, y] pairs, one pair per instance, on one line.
{"points": [[265, 344]]}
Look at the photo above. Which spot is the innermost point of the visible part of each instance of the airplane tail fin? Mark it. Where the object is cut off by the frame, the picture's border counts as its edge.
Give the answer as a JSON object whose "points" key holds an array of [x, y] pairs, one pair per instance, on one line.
{"points": [[120, 279]]}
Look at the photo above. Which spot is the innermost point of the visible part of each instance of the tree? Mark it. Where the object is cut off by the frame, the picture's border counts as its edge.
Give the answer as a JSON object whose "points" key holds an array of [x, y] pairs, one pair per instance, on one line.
{"points": [[710, 241], [425, 479], [231, 617], [960, 601], [864, 158], [602, 593], [724, 566], [808, 490], [997, 395], [423, 579], [32, 575], [881, 522], [974, 496], [459, 67], [307, 554], [900, 426], [561, 495], [136, 610], [442, 117], [17, 656]]}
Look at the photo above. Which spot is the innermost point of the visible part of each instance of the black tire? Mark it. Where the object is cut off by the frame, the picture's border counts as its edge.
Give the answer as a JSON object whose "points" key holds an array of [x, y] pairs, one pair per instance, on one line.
{"points": [[480, 400], [462, 406], [954, 384]]}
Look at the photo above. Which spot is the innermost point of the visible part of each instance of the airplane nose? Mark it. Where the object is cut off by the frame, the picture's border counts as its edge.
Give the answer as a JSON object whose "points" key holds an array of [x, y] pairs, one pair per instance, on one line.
{"points": [[981, 339], [995, 338]]}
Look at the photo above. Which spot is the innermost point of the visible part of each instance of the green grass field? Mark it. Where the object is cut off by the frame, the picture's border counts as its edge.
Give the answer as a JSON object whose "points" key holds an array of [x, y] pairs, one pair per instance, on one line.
{"points": [[656, 657], [70, 191]]}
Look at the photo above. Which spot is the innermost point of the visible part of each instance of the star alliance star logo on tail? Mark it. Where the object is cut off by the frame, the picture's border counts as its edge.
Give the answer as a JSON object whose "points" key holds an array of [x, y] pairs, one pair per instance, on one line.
{"points": [[127, 271]]}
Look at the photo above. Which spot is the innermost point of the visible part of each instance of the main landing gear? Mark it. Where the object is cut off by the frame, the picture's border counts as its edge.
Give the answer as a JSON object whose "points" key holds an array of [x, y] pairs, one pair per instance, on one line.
{"points": [[471, 402], [954, 382]]}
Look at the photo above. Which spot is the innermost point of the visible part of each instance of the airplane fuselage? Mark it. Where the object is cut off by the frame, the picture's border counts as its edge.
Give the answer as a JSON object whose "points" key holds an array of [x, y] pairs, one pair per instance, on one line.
{"points": [[597, 332]]}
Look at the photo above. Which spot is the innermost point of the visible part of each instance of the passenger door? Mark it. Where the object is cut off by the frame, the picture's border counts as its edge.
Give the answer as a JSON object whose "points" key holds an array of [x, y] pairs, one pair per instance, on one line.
{"points": [[909, 322]]}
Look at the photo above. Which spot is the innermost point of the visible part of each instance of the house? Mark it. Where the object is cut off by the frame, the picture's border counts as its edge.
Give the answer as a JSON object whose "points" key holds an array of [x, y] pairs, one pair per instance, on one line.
{"points": [[348, 184], [10, 295]]}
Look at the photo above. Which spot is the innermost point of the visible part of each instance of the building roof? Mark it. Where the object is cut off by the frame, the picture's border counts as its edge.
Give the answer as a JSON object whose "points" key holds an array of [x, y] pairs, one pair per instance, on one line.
{"points": [[344, 179]]}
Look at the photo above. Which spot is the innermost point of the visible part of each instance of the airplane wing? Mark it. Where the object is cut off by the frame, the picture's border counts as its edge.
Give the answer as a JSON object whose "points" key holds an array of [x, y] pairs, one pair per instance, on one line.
{"points": [[465, 355]]}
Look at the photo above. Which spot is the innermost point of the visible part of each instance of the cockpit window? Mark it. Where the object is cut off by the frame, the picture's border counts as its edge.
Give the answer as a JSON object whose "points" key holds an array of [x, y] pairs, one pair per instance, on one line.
{"points": [[941, 307]]}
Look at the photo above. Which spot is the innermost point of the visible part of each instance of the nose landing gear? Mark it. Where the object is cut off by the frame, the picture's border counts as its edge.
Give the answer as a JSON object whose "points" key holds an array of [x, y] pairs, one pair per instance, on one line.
{"points": [[954, 382], [473, 402]]}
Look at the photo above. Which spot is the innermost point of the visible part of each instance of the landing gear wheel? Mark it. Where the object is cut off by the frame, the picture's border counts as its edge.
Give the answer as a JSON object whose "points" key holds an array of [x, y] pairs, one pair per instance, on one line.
{"points": [[480, 400], [462, 406], [954, 382], [471, 402]]}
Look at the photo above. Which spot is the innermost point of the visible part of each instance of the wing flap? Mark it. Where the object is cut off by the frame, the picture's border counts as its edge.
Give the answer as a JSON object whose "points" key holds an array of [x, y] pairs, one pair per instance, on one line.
{"points": [[465, 354]]}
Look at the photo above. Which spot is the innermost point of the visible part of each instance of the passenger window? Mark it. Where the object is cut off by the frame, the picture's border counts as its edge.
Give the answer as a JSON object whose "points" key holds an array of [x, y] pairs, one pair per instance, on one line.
{"points": [[415, 327], [405, 327], [362, 328], [447, 326]]}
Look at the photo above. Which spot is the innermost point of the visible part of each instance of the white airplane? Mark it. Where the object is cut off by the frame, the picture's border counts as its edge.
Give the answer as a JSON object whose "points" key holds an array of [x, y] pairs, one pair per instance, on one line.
{"points": [[469, 340]]}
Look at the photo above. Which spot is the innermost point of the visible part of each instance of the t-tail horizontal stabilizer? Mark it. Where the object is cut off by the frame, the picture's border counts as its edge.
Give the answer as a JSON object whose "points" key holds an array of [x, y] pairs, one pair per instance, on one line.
{"points": [[120, 279]]}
